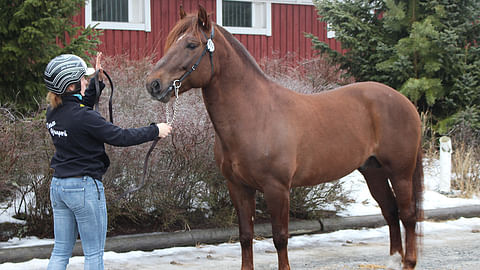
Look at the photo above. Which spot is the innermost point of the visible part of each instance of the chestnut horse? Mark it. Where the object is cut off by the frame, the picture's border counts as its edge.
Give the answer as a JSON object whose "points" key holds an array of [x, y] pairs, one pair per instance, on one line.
{"points": [[271, 139]]}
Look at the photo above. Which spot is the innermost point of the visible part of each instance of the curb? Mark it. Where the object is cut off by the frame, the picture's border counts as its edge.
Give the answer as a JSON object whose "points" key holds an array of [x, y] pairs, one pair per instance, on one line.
{"points": [[151, 241]]}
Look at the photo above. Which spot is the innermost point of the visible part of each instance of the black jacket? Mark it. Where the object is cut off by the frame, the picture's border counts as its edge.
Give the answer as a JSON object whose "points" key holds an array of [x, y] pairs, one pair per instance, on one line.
{"points": [[79, 133]]}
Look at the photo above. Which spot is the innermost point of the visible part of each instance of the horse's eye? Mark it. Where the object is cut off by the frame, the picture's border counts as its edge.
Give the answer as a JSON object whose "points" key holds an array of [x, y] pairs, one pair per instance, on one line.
{"points": [[192, 46]]}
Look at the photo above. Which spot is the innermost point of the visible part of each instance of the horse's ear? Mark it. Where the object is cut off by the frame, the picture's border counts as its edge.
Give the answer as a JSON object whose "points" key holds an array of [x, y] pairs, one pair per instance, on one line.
{"points": [[203, 18], [183, 14]]}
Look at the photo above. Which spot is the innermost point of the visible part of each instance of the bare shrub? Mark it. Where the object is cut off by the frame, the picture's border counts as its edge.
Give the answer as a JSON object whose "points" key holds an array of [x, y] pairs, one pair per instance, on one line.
{"points": [[304, 76], [25, 153], [8, 157], [184, 188]]}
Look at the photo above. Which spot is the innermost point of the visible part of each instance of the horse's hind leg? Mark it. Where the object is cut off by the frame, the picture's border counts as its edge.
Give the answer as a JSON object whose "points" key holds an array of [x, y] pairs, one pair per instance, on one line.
{"points": [[277, 198], [243, 199], [381, 191], [403, 188]]}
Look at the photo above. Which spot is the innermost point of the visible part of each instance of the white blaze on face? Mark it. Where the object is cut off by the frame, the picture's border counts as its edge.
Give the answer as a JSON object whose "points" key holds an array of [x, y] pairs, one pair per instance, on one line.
{"points": [[180, 38]]}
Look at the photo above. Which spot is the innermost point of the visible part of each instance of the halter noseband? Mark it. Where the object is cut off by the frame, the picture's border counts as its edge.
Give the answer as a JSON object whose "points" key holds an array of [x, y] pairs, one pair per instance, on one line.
{"points": [[210, 47]]}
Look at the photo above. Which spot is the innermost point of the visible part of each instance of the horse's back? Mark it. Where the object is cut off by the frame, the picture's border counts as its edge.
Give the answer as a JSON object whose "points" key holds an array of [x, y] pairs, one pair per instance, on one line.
{"points": [[377, 100], [374, 92], [390, 111]]}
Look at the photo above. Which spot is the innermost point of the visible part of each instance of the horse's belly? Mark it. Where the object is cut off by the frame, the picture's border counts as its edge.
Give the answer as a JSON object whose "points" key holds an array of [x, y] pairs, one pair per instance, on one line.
{"points": [[320, 174], [329, 162]]}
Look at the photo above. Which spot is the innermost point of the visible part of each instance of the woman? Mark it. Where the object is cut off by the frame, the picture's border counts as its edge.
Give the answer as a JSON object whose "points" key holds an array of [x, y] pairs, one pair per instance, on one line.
{"points": [[79, 133]]}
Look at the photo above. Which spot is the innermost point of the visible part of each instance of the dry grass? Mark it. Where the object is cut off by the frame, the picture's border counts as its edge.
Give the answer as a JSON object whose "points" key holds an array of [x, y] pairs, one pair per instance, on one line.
{"points": [[465, 155], [466, 169]]}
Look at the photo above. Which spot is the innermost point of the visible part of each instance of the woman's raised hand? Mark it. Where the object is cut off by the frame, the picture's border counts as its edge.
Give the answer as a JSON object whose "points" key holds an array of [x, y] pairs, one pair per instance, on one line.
{"points": [[98, 66]]}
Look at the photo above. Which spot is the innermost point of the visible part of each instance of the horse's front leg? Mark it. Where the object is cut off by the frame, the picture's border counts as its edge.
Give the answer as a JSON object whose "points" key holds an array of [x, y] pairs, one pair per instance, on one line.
{"points": [[243, 199], [277, 198]]}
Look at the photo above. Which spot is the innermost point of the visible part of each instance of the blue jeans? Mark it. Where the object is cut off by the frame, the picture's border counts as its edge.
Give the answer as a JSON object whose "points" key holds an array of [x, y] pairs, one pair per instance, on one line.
{"points": [[78, 207]]}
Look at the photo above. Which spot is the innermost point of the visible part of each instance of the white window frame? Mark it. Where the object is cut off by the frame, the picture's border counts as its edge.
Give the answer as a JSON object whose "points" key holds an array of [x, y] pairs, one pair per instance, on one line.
{"points": [[267, 30], [294, 2], [145, 26]]}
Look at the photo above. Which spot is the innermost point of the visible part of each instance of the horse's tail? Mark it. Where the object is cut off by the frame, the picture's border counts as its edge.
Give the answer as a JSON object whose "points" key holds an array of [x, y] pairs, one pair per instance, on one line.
{"points": [[418, 185], [418, 195]]}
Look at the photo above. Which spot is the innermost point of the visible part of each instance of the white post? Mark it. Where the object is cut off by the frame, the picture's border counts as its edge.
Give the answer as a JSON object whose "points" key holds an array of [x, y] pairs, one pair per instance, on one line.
{"points": [[445, 164]]}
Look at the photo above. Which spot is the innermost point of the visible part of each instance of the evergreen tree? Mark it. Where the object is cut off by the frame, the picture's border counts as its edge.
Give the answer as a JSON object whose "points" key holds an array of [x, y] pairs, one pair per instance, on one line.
{"points": [[32, 32], [427, 49]]}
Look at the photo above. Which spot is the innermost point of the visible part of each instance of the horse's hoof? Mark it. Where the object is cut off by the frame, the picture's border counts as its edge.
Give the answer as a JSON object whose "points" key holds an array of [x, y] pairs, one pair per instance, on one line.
{"points": [[394, 262]]}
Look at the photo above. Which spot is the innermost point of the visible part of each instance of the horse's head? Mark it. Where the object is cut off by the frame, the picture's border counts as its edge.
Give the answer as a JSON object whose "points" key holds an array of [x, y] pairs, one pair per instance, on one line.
{"points": [[186, 46]]}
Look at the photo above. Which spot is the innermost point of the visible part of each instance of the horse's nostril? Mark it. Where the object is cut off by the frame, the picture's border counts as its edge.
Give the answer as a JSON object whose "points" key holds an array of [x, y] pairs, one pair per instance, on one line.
{"points": [[155, 86]]}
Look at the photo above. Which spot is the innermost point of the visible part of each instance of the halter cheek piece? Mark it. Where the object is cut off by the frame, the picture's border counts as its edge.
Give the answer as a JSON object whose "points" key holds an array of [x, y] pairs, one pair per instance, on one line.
{"points": [[210, 48]]}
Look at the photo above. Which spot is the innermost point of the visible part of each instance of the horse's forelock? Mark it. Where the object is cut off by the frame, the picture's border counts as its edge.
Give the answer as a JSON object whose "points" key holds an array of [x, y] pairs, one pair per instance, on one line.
{"points": [[187, 24]]}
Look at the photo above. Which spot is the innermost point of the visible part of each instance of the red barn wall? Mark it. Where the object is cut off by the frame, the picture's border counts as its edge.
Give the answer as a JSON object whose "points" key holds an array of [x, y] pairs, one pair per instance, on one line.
{"points": [[289, 23]]}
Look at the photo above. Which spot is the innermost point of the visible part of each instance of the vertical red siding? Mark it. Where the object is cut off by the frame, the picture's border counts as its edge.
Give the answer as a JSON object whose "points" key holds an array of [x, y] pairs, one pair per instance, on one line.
{"points": [[289, 23], [302, 27], [282, 32], [311, 27]]}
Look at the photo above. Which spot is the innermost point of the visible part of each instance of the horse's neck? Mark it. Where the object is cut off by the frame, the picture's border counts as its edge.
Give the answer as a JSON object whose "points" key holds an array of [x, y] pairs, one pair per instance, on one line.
{"points": [[234, 99], [240, 94], [228, 97]]}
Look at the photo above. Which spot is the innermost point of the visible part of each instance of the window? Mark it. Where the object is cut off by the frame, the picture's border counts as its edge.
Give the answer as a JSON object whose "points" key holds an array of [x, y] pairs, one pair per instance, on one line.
{"points": [[237, 14], [245, 16], [330, 31], [118, 14]]}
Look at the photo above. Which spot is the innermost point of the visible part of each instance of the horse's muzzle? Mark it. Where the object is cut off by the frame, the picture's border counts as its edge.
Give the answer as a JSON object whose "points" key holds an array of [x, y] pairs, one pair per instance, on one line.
{"points": [[156, 90]]}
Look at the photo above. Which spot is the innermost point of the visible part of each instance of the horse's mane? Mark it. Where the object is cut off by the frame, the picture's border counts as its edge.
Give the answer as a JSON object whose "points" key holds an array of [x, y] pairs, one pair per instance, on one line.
{"points": [[190, 23], [240, 49]]}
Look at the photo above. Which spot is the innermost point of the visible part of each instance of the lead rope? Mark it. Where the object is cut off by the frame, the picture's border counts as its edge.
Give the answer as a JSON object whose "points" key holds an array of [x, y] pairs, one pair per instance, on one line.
{"points": [[170, 122], [176, 85], [99, 93]]}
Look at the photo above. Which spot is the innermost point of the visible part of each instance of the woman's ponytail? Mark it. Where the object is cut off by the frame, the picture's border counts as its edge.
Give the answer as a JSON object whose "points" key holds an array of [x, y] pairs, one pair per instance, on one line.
{"points": [[54, 100]]}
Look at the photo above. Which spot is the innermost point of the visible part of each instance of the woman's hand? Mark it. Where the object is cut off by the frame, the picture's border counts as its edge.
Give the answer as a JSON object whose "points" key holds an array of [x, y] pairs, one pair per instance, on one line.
{"points": [[163, 130], [98, 66]]}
